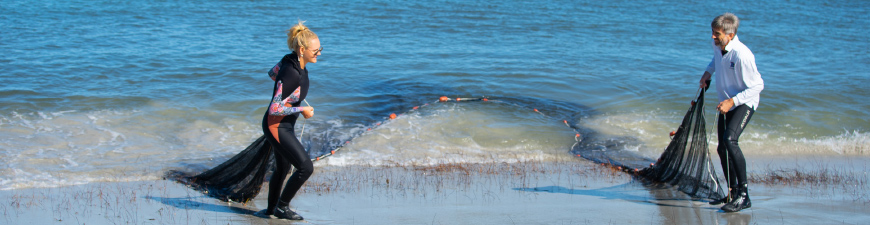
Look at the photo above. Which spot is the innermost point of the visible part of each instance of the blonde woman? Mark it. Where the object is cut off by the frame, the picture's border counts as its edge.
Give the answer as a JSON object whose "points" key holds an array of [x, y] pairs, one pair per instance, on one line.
{"points": [[290, 89]]}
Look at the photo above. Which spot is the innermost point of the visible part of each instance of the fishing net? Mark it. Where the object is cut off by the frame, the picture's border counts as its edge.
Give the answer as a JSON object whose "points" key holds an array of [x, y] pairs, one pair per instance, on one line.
{"points": [[686, 162], [239, 179]]}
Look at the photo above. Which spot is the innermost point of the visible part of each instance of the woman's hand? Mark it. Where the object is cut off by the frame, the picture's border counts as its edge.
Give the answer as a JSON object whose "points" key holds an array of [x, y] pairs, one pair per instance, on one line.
{"points": [[307, 112]]}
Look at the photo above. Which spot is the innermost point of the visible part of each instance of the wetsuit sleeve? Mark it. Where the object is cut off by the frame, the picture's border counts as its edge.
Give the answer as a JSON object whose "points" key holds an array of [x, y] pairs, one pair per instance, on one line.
{"points": [[273, 73], [279, 106], [751, 78]]}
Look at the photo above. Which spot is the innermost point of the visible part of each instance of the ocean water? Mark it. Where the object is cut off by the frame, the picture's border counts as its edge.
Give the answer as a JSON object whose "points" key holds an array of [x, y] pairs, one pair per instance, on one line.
{"points": [[115, 91]]}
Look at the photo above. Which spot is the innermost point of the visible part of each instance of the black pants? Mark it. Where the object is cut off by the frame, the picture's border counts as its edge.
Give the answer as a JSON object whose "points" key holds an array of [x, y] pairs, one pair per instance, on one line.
{"points": [[288, 151], [730, 127]]}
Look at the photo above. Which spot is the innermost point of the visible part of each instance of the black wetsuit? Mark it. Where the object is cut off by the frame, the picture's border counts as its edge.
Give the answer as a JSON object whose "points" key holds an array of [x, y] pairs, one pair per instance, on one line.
{"points": [[278, 125]]}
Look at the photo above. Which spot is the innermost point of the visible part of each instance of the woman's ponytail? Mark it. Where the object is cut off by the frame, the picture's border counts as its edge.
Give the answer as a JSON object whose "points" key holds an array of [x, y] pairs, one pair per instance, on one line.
{"points": [[299, 36]]}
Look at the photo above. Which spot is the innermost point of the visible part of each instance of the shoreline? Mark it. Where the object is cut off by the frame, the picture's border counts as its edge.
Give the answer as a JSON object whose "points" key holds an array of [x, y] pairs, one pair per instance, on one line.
{"points": [[555, 192]]}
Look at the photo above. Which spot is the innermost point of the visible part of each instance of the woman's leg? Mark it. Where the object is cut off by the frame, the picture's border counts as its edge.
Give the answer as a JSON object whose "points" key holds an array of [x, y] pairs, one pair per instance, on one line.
{"points": [[296, 155], [282, 167]]}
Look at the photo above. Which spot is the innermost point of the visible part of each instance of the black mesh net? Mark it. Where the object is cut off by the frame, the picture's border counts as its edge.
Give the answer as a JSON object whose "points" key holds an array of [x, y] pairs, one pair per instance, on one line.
{"points": [[686, 162], [239, 179]]}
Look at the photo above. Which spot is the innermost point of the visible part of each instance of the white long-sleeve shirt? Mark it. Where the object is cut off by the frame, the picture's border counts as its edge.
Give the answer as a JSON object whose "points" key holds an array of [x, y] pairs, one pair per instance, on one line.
{"points": [[736, 75]]}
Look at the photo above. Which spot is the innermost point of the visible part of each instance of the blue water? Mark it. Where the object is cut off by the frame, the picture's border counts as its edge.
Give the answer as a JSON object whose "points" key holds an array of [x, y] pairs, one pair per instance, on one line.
{"points": [[106, 91]]}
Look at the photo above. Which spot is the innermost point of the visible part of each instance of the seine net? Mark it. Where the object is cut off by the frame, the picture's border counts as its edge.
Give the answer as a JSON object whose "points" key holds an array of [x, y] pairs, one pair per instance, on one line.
{"points": [[239, 179], [686, 162]]}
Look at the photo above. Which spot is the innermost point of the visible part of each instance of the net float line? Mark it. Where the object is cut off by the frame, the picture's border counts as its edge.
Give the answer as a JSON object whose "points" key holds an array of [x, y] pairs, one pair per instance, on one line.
{"points": [[577, 136], [240, 178]]}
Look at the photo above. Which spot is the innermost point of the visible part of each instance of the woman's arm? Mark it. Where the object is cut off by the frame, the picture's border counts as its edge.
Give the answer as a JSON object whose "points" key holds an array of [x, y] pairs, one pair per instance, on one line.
{"points": [[279, 106], [273, 73]]}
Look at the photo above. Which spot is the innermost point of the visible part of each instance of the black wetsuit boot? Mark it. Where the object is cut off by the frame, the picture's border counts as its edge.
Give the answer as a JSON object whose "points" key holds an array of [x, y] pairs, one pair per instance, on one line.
{"points": [[740, 201], [283, 212]]}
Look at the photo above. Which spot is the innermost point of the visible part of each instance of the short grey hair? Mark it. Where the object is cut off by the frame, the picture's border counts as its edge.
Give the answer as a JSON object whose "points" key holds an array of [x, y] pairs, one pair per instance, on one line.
{"points": [[727, 21]]}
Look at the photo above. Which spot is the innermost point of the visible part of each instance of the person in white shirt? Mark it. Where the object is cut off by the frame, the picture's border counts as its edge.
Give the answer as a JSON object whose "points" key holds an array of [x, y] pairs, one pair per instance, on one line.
{"points": [[739, 86]]}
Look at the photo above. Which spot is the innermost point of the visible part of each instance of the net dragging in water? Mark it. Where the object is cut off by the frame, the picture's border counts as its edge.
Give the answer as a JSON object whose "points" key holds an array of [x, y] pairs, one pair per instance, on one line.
{"points": [[240, 178], [686, 162]]}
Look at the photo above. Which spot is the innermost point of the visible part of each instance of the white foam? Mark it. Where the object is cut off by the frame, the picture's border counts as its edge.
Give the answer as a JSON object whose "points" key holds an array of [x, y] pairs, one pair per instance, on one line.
{"points": [[848, 143], [459, 134], [69, 148], [651, 128]]}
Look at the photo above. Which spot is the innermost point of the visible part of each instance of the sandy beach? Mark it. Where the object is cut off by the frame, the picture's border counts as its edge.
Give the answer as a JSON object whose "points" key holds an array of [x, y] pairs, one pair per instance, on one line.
{"points": [[562, 192]]}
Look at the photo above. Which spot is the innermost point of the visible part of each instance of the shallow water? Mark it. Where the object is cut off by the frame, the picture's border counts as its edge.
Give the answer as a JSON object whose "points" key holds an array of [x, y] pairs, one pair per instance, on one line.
{"points": [[103, 90]]}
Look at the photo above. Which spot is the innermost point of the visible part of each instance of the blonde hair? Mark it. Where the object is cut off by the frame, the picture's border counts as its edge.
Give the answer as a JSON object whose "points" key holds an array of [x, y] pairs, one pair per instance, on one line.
{"points": [[299, 36]]}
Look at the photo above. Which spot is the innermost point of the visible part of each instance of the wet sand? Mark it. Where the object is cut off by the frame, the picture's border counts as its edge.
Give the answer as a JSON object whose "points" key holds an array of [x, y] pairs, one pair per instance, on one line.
{"points": [[565, 192]]}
